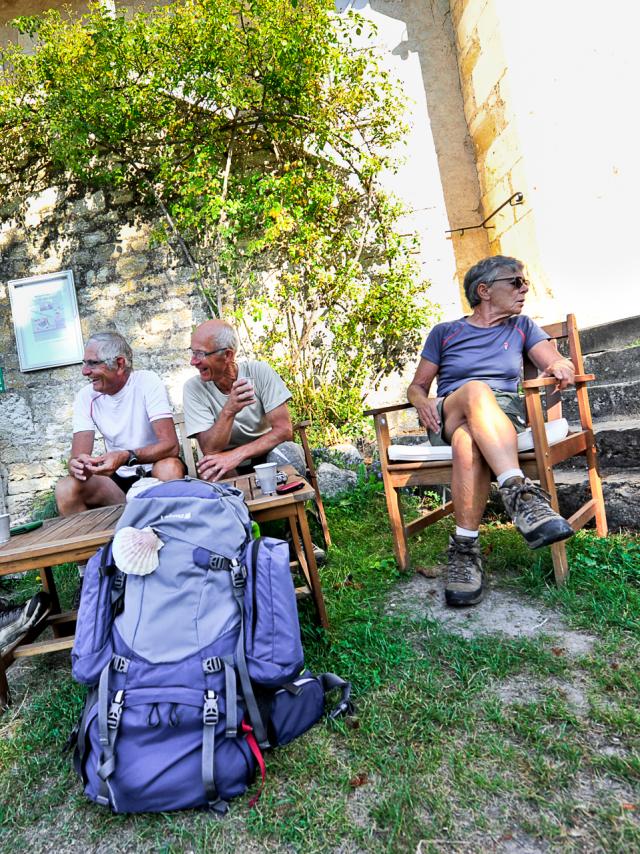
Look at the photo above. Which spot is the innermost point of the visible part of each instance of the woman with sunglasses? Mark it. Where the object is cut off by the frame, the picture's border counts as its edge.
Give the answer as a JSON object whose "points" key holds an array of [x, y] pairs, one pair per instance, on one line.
{"points": [[477, 361]]}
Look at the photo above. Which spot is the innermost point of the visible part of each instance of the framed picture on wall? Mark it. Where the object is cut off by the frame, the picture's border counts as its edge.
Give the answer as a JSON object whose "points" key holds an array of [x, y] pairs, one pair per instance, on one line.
{"points": [[46, 321]]}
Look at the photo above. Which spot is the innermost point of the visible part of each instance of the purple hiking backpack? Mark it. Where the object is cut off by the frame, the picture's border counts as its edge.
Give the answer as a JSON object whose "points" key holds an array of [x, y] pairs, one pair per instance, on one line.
{"points": [[195, 666]]}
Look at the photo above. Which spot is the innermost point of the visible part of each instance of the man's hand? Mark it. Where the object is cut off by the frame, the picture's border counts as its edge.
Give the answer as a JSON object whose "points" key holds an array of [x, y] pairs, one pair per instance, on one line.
{"points": [[78, 467], [562, 370], [214, 467], [107, 464], [428, 414], [241, 395]]}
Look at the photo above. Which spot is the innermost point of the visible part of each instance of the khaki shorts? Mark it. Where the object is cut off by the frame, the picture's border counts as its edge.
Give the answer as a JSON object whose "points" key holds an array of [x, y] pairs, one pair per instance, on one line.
{"points": [[509, 402]]}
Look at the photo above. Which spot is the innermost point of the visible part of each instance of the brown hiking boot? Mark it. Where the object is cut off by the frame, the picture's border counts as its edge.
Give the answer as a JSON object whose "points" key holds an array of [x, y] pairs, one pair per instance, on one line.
{"points": [[465, 584], [529, 508]]}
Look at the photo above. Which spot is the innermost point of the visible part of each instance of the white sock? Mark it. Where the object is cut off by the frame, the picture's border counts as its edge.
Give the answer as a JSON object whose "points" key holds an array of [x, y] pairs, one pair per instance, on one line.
{"points": [[509, 473], [81, 569], [465, 532]]}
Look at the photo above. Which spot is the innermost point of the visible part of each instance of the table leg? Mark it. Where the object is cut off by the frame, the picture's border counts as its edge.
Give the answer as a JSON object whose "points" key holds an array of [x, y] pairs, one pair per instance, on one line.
{"points": [[311, 568], [49, 586]]}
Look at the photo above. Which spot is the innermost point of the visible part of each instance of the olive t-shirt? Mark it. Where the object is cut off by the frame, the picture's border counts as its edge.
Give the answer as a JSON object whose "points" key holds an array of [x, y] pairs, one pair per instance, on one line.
{"points": [[203, 402]]}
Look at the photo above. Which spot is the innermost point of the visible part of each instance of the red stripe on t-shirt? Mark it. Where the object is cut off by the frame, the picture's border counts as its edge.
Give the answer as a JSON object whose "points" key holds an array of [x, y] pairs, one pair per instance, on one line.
{"points": [[449, 337]]}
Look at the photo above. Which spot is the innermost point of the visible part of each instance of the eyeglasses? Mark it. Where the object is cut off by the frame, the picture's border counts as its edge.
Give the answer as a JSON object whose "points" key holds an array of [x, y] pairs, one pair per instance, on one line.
{"points": [[93, 363], [516, 282], [200, 354]]}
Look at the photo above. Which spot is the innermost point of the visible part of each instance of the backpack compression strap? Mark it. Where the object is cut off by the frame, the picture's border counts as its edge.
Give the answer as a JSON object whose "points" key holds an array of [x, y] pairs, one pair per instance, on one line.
{"points": [[238, 586]]}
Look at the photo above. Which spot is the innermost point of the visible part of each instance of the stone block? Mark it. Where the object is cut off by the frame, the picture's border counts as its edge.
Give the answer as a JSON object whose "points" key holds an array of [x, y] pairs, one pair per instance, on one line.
{"points": [[615, 400], [503, 153], [90, 204], [466, 23], [94, 238], [15, 418], [621, 497], [130, 266], [27, 471], [613, 366], [334, 481], [41, 206], [29, 487], [488, 70], [619, 333], [347, 452]]}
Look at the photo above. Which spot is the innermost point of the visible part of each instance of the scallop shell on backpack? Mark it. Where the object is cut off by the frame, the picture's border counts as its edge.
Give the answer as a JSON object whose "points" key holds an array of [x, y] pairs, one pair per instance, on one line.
{"points": [[135, 550]]}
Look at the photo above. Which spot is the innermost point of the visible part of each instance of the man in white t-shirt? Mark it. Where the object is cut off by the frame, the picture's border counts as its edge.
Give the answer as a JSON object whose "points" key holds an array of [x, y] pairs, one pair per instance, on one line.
{"points": [[131, 410], [236, 410]]}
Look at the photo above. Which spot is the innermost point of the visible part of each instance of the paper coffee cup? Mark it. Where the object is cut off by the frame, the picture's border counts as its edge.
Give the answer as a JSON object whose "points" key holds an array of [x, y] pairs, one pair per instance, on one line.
{"points": [[266, 477]]}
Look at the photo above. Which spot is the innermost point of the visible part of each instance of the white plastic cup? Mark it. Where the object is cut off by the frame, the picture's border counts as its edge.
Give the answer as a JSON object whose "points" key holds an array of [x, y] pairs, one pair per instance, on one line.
{"points": [[266, 477], [4, 527]]}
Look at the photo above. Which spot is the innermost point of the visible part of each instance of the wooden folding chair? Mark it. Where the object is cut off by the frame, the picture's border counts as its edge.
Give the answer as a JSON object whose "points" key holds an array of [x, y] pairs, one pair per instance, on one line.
{"points": [[189, 457], [537, 464]]}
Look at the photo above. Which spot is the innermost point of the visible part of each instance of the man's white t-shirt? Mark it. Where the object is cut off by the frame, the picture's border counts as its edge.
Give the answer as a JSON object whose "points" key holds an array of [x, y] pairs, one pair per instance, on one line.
{"points": [[124, 419], [203, 402]]}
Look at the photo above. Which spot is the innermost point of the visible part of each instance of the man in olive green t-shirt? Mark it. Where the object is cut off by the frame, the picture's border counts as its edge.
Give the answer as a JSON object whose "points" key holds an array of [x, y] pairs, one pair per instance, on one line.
{"points": [[236, 410]]}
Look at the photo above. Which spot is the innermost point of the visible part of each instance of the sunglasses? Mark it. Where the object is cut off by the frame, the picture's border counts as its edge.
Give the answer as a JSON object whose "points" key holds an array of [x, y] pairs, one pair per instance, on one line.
{"points": [[200, 354], [516, 282]]}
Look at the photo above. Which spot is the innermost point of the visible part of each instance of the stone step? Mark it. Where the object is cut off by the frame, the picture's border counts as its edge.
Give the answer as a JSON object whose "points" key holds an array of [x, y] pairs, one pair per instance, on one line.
{"points": [[608, 336], [616, 400], [614, 366], [618, 443], [621, 495]]}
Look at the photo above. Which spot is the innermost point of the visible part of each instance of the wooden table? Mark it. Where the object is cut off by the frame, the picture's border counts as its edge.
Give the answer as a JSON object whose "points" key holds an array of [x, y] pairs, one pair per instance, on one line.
{"points": [[76, 538]]}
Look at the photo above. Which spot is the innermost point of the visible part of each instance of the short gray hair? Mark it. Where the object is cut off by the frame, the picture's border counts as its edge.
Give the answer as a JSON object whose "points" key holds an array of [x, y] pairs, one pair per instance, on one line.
{"points": [[225, 337], [486, 271], [110, 345]]}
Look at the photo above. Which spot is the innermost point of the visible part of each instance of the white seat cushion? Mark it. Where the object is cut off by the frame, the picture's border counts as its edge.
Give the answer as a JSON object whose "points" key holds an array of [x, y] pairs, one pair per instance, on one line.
{"points": [[556, 431]]}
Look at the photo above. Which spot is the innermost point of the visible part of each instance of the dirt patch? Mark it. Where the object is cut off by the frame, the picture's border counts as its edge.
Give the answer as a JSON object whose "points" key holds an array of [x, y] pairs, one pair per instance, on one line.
{"points": [[501, 612], [526, 689]]}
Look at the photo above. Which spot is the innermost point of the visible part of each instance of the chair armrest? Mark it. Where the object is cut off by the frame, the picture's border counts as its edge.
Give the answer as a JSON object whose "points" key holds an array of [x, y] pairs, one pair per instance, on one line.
{"points": [[540, 382], [395, 408]]}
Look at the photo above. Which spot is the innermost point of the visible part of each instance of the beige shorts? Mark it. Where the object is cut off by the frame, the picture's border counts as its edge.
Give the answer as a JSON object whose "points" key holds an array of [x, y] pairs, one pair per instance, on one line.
{"points": [[509, 402]]}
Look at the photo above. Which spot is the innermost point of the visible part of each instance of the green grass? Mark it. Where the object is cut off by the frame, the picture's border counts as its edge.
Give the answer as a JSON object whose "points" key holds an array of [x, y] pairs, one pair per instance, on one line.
{"points": [[433, 758]]}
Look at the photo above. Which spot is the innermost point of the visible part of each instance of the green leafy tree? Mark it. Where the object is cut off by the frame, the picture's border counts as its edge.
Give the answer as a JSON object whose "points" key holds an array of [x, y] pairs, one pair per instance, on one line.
{"points": [[260, 131]]}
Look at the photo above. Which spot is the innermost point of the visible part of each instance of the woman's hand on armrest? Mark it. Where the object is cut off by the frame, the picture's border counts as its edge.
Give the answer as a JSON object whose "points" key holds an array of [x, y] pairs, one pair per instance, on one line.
{"points": [[562, 370]]}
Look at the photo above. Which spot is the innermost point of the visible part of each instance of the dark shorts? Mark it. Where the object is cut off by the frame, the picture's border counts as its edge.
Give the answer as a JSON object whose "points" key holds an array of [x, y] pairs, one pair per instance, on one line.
{"points": [[509, 402], [248, 465], [125, 483]]}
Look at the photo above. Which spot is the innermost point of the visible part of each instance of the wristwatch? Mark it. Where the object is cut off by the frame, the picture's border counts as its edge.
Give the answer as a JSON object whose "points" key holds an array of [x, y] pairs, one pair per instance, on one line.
{"points": [[133, 458]]}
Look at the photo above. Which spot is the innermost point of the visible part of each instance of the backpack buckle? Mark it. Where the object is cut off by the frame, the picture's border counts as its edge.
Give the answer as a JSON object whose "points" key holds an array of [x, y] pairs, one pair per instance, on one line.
{"points": [[118, 580], [218, 562], [120, 664], [238, 574], [115, 710], [212, 665], [210, 710]]}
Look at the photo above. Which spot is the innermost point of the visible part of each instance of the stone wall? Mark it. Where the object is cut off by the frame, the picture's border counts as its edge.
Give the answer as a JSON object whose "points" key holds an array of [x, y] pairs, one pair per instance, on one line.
{"points": [[122, 282], [489, 110]]}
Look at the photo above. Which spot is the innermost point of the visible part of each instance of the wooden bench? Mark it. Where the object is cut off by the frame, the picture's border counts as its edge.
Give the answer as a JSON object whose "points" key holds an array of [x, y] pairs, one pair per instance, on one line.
{"points": [[537, 464]]}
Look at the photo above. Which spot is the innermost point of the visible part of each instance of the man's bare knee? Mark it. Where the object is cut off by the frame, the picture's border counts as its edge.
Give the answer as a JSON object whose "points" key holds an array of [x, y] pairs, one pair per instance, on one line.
{"points": [[68, 492], [171, 468]]}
